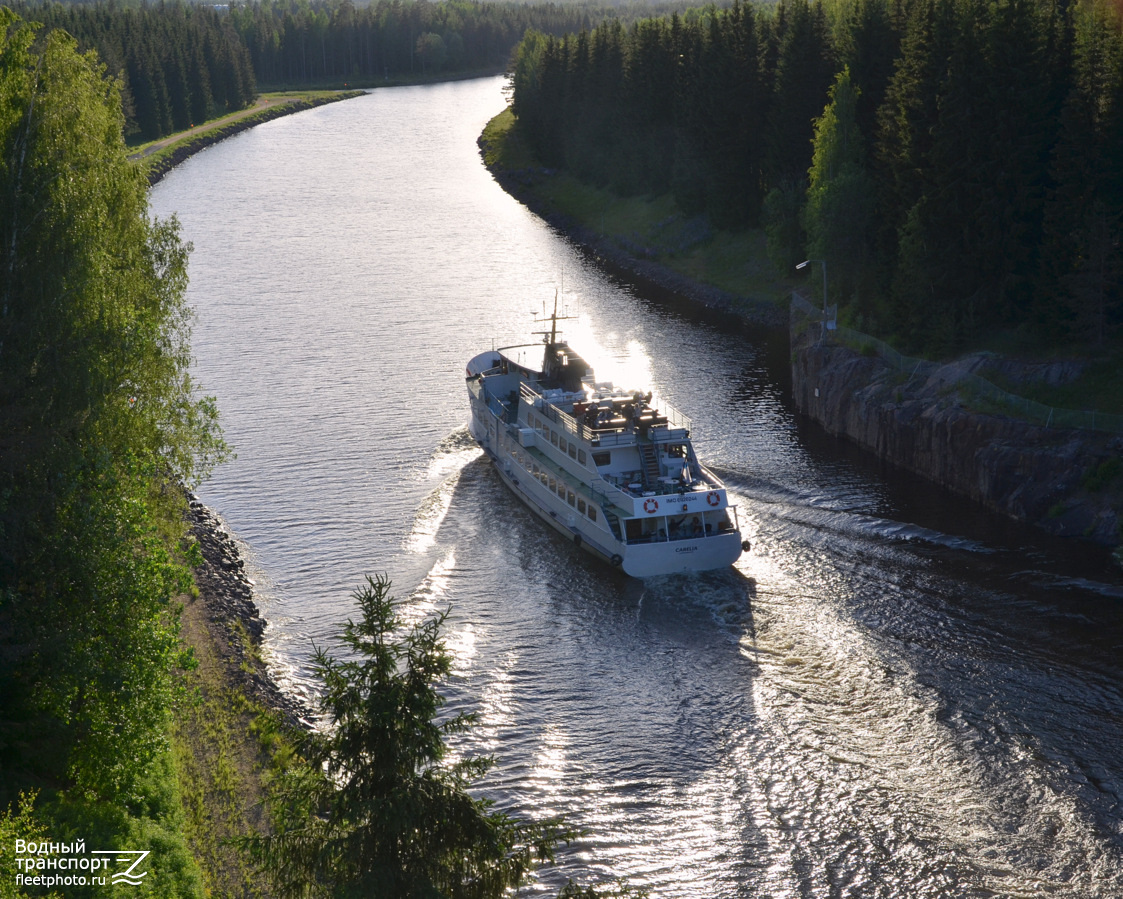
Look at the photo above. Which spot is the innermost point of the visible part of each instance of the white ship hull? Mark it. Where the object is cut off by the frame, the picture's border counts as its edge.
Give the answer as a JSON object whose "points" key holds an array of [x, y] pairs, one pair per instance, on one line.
{"points": [[630, 493]]}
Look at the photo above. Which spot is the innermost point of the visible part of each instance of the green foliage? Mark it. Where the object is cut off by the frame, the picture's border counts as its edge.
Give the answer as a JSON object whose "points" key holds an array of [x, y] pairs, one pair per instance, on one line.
{"points": [[152, 821], [804, 69], [178, 64], [101, 427], [968, 168], [295, 42], [18, 823], [839, 205], [379, 810], [432, 52], [783, 224], [502, 145], [152, 818]]}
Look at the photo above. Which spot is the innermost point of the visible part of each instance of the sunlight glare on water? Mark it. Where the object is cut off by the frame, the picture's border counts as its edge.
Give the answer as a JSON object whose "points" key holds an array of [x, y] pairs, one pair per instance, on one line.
{"points": [[893, 695]]}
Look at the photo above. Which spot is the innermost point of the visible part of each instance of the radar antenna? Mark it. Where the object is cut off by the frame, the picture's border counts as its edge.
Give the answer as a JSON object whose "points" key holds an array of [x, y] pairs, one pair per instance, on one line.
{"points": [[551, 337]]}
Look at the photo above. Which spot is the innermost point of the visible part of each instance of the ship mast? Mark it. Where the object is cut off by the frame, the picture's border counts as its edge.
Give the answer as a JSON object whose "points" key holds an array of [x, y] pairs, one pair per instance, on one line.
{"points": [[550, 338]]}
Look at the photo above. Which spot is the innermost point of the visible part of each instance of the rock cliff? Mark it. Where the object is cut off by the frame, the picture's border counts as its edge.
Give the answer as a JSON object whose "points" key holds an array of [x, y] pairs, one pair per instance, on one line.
{"points": [[1069, 482]]}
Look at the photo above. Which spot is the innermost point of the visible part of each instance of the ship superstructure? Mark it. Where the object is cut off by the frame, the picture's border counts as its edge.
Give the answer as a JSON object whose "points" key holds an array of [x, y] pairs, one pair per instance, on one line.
{"points": [[612, 470]]}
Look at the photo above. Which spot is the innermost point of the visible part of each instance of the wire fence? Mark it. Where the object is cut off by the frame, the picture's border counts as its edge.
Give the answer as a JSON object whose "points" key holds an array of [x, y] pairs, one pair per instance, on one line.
{"points": [[976, 391]]}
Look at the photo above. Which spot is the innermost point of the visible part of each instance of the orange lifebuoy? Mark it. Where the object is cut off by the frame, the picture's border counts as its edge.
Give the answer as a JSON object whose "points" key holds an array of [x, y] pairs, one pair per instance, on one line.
{"points": [[650, 505], [712, 498]]}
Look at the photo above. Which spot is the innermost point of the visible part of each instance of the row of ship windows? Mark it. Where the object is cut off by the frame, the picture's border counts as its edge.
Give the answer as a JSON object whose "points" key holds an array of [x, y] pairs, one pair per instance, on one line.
{"points": [[555, 486], [600, 459], [558, 440]]}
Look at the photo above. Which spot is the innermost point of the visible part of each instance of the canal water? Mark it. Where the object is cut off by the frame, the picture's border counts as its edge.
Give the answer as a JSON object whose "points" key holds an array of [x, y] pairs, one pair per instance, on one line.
{"points": [[893, 695]]}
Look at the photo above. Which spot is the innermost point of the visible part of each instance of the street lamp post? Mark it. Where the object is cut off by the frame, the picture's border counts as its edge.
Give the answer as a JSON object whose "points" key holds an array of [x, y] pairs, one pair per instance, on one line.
{"points": [[823, 263]]}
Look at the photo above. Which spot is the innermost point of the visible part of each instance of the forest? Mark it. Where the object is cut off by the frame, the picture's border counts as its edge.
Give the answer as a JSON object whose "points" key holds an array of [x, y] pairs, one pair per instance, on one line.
{"points": [[183, 63], [178, 64], [957, 163], [100, 429]]}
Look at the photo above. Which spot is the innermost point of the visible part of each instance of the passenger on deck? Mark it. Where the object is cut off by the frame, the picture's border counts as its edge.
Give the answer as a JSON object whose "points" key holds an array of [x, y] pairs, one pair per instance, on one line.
{"points": [[696, 527]]}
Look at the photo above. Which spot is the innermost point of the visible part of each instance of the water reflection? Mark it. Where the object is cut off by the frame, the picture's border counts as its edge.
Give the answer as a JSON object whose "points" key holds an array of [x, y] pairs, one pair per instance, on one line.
{"points": [[893, 695]]}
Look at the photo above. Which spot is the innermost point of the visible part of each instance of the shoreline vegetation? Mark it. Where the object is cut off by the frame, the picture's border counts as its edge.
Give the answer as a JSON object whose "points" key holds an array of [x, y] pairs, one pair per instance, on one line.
{"points": [[157, 158], [1066, 482], [233, 735], [645, 237]]}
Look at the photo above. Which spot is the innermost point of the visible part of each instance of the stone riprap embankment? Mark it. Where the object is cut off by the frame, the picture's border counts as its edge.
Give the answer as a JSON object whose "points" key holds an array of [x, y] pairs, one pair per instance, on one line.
{"points": [[226, 593]]}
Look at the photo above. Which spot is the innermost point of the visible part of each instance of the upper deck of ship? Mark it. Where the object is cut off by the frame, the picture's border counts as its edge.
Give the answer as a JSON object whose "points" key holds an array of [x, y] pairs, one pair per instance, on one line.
{"points": [[605, 415], [556, 380]]}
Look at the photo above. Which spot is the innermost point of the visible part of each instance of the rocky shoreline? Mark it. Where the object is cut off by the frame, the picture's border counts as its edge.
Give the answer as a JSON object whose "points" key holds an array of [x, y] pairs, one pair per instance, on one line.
{"points": [[234, 620], [1061, 480]]}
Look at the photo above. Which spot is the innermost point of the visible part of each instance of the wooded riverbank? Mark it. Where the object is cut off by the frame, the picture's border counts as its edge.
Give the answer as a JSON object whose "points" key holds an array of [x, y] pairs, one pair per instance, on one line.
{"points": [[1068, 482]]}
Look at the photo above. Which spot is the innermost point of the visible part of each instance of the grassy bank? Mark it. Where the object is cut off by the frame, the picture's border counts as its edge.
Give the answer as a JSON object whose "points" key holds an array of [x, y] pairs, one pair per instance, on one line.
{"points": [[224, 745], [158, 157], [647, 228]]}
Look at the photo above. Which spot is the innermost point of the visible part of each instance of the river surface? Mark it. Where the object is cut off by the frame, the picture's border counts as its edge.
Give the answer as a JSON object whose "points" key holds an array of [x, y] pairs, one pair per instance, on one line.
{"points": [[894, 695]]}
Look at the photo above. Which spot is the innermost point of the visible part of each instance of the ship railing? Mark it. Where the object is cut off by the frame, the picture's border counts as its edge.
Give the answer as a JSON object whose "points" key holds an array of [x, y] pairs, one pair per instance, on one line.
{"points": [[676, 428], [676, 421], [552, 412], [598, 491], [613, 495], [663, 487]]}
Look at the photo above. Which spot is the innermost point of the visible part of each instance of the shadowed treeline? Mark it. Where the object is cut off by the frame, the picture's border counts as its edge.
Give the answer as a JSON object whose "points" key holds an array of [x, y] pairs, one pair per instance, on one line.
{"points": [[958, 163], [181, 64]]}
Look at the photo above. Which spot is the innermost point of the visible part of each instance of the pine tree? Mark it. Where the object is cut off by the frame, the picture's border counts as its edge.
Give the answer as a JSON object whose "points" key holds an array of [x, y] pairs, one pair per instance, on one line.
{"points": [[803, 74], [1079, 281], [379, 810]]}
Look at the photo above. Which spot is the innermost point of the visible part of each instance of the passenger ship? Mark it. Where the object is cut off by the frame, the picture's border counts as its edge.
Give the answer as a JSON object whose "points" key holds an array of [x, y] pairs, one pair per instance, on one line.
{"points": [[613, 471]]}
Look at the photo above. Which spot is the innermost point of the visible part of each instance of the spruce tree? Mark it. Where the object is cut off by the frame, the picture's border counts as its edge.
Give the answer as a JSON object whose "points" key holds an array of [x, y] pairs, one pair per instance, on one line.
{"points": [[379, 809]]}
